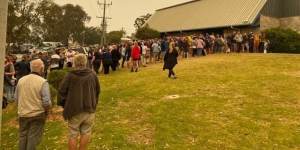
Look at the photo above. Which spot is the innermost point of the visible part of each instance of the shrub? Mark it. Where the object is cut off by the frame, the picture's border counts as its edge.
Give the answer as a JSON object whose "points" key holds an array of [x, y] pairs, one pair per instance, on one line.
{"points": [[283, 40], [54, 94], [54, 79]]}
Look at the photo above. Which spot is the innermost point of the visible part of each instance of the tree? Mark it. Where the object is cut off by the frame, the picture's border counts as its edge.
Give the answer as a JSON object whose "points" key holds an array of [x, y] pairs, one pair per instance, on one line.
{"points": [[115, 36], [50, 23], [73, 22], [34, 21], [140, 21], [21, 17], [147, 33], [91, 36], [58, 23]]}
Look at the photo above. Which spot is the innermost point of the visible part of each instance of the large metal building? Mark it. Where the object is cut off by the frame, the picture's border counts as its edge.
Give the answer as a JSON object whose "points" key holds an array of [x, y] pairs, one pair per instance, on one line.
{"points": [[225, 15]]}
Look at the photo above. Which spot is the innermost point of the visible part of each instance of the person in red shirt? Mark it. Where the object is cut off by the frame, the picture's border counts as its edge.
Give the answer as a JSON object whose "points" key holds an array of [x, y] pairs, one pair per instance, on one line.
{"points": [[135, 56]]}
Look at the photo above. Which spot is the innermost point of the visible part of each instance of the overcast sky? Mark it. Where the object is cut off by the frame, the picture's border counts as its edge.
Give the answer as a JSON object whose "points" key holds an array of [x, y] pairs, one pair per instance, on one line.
{"points": [[123, 12]]}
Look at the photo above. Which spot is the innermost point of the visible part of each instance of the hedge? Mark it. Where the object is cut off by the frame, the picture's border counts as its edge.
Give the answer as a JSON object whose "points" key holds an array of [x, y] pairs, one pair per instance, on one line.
{"points": [[283, 40], [54, 79]]}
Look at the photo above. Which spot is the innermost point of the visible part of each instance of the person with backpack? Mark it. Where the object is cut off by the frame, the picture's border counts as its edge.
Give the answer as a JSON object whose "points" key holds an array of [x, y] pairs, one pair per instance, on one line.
{"points": [[107, 60]]}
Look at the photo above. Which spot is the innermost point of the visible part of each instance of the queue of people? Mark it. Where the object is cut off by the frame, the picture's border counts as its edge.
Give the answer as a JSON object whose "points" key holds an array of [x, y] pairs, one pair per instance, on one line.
{"points": [[25, 80]]}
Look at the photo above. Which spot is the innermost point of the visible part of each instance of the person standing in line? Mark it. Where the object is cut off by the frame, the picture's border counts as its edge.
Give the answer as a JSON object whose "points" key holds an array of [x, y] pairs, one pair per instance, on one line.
{"points": [[45, 59], [90, 58], [116, 56], [70, 56], [171, 61], [128, 54], [54, 61], [62, 59], [34, 102], [212, 38], [107, 60], [135, 56], [156, 50], [123, 53], [80, 92], [199, 46], [239, 40], [251, 42], [144, 49], [22, 67], [245, 43], [97, 58], [185, 48], [194, 47], [9, 81], [164, 48]]}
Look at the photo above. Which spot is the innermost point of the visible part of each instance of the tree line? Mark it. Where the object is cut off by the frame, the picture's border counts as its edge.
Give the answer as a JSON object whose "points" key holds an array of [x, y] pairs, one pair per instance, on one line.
{"points": [[34, 21]]}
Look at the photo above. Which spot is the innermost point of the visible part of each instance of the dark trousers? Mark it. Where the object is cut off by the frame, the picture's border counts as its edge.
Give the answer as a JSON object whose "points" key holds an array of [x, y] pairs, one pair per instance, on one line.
{"points": [[114, 65], [123, 61], [61, 64], [90, 64], [185, 54], [194, 52], [106, 68], [171, 72], [31, 131], [97, 64], [240, 47]]}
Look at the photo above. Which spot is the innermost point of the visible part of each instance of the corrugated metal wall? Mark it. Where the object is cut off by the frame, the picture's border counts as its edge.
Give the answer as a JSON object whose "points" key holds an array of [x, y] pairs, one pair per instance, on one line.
{"points": [[282, 8], [291, 8], [272, 8]]}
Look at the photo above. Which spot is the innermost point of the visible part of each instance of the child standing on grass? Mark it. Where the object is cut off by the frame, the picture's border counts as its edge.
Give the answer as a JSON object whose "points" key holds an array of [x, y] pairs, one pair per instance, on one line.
{"points": [[170, 60]]}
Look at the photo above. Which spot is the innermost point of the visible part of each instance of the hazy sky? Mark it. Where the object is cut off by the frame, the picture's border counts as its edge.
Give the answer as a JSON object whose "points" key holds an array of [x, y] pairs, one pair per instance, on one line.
{"points": [[123, 12]]}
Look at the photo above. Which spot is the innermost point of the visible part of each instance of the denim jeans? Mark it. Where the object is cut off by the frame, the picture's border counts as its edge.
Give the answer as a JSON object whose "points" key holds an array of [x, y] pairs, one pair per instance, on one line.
{"points": [[9, 92], [199, 51]]}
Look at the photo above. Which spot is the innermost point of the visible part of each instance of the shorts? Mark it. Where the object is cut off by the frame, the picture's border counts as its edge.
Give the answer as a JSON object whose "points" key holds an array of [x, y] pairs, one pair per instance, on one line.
{"points": [[81, 124]]}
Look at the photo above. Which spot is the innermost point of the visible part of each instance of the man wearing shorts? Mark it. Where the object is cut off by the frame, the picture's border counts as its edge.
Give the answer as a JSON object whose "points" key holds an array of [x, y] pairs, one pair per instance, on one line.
{"points": [[79, 93]]}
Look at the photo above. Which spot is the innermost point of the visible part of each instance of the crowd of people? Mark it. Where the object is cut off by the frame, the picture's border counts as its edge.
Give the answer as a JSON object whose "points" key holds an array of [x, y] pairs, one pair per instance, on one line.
{"points": [[25, 80]]}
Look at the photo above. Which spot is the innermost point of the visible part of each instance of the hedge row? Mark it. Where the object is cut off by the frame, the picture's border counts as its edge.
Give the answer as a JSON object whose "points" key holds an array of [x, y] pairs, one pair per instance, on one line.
{"points": [[283, 40]]}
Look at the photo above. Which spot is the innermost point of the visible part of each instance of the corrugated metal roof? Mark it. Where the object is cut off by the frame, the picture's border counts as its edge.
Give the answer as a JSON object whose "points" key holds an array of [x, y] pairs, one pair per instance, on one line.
{"points": [[205, 14]]}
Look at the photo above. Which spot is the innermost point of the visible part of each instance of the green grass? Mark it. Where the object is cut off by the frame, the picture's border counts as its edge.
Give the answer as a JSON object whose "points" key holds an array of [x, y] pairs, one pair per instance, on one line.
{"points": [[247, 101]]}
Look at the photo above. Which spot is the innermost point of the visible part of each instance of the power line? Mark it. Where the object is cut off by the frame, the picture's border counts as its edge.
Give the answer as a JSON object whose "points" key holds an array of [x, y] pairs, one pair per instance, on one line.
{"points": [[104, 21]]}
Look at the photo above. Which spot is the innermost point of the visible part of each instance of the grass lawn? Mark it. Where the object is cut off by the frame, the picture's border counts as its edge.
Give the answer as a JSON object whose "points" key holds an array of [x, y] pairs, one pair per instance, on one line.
{"points": [[247, 101]]}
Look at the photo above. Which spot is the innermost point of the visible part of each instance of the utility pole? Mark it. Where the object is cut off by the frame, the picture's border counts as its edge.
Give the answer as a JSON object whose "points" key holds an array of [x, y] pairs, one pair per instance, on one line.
{"points": [[124, 32], [104, 21], [3, 25]]}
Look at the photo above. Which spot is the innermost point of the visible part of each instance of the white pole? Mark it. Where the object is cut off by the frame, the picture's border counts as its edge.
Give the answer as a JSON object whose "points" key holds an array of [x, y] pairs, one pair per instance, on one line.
{"points": [[3, 25]]}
